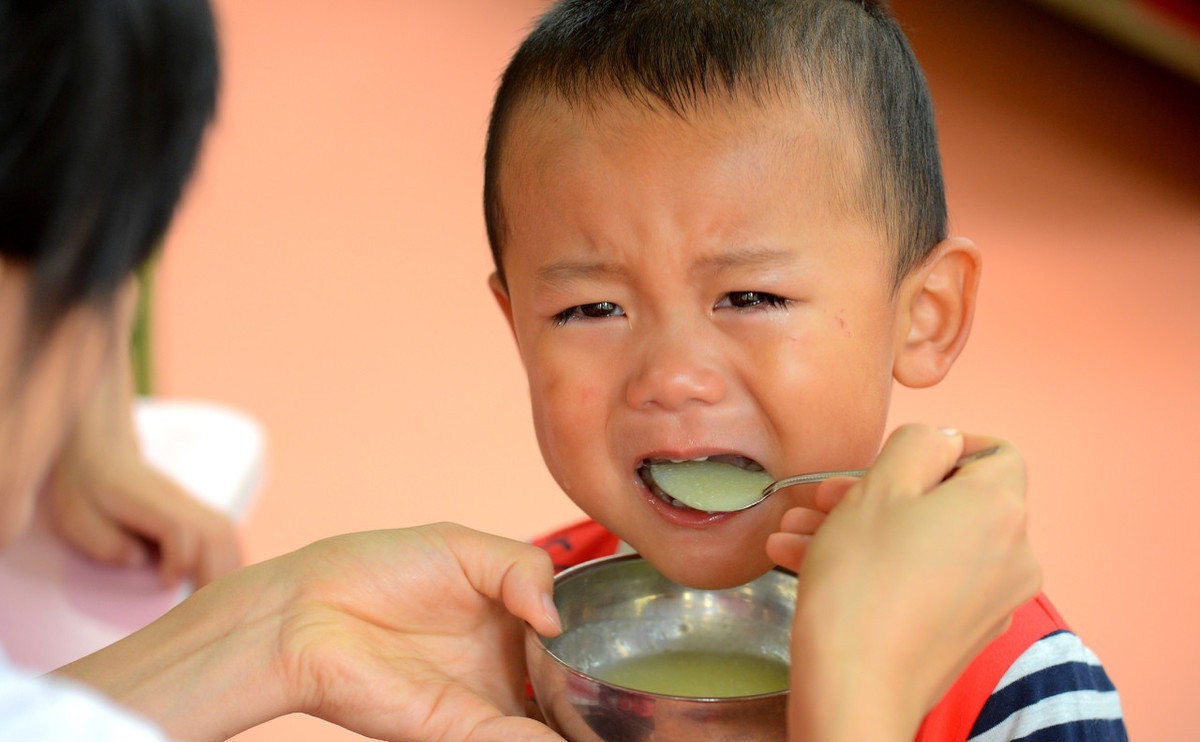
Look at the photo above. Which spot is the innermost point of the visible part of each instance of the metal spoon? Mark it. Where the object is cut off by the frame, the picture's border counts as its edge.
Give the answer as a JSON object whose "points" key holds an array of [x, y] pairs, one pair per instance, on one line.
{"points": [[821, 476]]}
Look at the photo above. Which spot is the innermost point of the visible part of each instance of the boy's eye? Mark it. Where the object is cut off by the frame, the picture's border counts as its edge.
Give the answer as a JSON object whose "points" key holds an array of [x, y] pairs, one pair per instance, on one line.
{"points": [[599, 310], [751, 299]]}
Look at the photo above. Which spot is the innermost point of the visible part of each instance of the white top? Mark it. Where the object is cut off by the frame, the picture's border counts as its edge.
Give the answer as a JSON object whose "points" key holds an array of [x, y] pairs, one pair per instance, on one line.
{"points": [[50, 709]]}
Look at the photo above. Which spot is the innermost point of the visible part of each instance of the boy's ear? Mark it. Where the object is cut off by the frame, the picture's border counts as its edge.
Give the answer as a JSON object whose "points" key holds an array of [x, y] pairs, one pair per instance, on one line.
{"points": [[938, 302], [501, 295]]}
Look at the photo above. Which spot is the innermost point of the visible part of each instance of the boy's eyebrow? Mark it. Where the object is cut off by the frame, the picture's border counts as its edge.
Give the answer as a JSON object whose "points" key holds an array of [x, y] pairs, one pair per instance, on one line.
{"points": [[755, 256], [564, 272]]}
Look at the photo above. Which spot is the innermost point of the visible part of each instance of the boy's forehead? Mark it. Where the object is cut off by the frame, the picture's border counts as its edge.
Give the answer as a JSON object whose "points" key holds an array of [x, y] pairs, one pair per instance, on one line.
{"points": [[547, 125], [554, 149]]}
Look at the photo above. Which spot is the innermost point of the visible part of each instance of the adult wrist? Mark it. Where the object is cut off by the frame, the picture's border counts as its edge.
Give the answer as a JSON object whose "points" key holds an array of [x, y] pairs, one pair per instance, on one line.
{"points": [[208, 669], [842, 691]]}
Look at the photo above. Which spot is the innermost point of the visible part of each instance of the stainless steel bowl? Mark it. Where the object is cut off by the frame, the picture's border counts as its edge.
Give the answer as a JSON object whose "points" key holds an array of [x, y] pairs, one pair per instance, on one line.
{"points": [[620, 607]]}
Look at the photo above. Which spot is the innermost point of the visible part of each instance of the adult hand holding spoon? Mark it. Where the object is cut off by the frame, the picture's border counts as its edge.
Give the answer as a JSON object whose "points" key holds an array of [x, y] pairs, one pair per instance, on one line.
{"points": [[908, 576]]}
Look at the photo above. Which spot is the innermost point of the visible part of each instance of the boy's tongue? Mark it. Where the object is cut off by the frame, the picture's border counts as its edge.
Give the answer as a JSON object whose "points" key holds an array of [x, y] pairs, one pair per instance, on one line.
{"points": [[718, 484]]}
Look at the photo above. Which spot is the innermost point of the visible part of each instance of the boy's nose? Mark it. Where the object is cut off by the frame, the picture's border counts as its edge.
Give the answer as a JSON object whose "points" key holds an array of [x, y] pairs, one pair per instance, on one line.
{"points": [[674, 375]]}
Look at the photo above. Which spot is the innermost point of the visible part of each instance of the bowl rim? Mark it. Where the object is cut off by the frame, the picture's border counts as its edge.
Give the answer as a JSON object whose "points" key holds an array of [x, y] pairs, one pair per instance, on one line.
{"points": [[591, 564]]}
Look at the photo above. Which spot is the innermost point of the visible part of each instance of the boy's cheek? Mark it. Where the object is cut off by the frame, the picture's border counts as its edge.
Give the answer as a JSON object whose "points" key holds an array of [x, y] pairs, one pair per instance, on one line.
{"points": [[566, 421]]}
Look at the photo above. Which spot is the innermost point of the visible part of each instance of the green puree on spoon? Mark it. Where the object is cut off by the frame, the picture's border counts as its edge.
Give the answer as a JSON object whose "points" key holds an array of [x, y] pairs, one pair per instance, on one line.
{"points": [[712, 486]]}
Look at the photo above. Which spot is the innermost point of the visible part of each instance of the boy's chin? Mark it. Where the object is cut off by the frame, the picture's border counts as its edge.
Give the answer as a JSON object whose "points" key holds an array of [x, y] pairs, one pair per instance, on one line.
{"points": [[707, 573]]}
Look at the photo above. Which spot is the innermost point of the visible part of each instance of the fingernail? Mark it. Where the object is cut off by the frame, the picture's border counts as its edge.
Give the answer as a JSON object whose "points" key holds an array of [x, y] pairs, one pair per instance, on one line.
{"points": [[948, 431], [551, 611]]}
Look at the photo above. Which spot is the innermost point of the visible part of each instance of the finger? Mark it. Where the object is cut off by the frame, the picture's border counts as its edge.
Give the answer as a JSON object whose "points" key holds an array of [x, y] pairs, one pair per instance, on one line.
{"points": [[508, 728], [157, 511], [519, 575], [178, 548], [788, 549], [176, 543], [161, 511], [220, 551], [802, 521], [913, 461], [831, 492], [94, 535]]}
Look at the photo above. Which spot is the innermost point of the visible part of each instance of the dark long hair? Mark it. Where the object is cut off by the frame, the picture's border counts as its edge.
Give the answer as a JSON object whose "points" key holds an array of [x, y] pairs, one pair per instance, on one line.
{"points": [[103, 105]]}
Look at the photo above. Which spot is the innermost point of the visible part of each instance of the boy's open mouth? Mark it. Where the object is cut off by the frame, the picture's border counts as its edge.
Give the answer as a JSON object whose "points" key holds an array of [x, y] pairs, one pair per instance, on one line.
{"points": [[650, 466]]}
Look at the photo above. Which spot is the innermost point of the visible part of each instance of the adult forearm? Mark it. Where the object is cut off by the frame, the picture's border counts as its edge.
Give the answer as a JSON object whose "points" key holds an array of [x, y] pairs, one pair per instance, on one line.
{"points": [[207, 669], [410, 633], [849, 710]]}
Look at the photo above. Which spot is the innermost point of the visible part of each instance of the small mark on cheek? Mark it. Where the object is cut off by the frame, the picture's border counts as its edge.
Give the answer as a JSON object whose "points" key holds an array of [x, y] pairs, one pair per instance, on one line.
{"points": [[840, 317]]}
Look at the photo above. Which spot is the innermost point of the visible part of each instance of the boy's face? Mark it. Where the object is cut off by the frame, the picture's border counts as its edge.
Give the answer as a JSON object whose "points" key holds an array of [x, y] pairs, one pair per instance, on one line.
{"points": [[687, 287]]}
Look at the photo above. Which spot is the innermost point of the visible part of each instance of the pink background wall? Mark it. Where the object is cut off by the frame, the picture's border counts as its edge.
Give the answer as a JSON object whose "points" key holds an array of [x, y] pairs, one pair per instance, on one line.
{"points": [[327, 275]]}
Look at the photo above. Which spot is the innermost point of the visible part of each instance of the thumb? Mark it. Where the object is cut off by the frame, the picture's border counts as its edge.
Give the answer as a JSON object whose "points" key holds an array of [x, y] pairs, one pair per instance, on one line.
{"points": [[519, 575]]}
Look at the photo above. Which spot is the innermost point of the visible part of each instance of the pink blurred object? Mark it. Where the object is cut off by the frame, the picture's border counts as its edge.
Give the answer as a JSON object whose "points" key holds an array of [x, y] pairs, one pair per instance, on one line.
{"points": [[56, 605]]}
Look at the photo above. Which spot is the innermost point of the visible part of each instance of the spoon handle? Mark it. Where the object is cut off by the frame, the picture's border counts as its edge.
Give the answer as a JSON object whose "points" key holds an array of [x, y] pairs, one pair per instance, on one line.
{"points": [[821, 476]]}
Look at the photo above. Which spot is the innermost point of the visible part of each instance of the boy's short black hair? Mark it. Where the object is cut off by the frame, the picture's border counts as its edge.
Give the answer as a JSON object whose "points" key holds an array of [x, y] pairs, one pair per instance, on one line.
{"points": [[845, 56], [103, 104]]}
